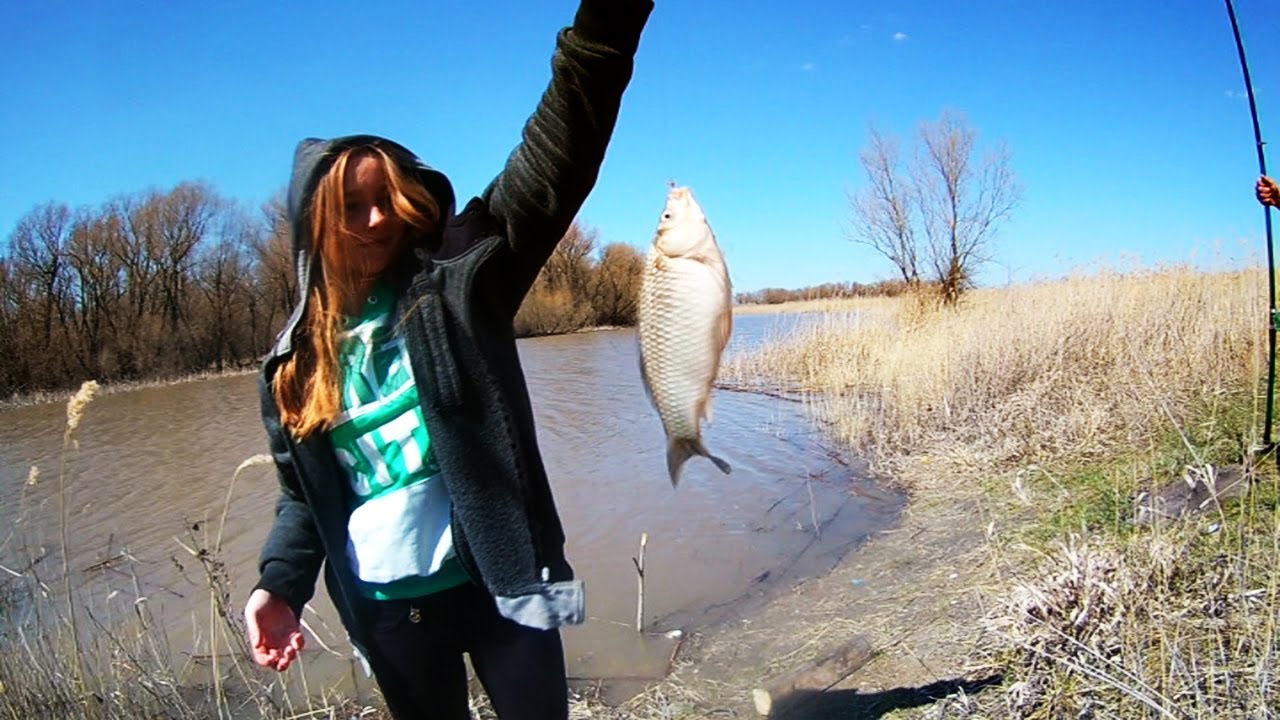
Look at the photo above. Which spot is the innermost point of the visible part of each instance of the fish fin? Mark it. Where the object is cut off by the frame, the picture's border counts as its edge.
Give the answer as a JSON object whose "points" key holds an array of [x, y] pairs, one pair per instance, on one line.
{"points": [[721, 464], [726, 327], [680, 450], [644, 372]]}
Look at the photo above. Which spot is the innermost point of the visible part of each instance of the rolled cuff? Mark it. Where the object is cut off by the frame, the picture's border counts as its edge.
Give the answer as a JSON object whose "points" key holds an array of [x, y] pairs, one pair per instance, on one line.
{"points": [[552, 605], [280, 580]]}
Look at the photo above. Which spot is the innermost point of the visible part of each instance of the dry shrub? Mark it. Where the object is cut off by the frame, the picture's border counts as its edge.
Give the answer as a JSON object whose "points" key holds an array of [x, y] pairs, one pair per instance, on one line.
{"points": [[1179, 624], [547, 311], [1070, 367]]}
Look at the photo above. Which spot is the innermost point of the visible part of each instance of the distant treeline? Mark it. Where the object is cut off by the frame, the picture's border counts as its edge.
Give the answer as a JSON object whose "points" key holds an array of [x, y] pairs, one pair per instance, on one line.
{"points": [[774, 296], [165, 284], [149, 285]]}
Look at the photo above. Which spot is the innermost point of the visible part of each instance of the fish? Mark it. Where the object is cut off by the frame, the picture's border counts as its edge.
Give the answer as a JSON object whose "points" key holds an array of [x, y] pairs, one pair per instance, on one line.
{"points": [[684, 318]]}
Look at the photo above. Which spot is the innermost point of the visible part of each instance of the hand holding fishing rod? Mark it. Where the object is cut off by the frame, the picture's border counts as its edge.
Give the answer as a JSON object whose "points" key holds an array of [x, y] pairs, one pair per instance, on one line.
{"points": [[1268, 195], [1268, 192]]}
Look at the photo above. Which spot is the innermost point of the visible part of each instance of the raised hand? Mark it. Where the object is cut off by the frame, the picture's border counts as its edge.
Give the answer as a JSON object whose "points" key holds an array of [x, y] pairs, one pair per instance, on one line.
{"points": [[1268, 192]]}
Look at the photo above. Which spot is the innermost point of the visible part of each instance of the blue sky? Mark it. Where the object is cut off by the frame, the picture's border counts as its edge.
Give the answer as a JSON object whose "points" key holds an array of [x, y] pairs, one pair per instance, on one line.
{"points": [[1127, 121]]}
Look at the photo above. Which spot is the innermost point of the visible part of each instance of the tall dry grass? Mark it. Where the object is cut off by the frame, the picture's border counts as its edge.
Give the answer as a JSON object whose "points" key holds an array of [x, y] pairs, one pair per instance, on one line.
{"points": [[1071, 368], [80, 646], [84, 645], [1055, 402]]}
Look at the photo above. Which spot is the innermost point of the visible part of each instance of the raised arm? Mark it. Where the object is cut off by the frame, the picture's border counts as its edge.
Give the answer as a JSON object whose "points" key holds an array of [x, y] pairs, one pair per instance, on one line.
{"points": [[550, 173]]}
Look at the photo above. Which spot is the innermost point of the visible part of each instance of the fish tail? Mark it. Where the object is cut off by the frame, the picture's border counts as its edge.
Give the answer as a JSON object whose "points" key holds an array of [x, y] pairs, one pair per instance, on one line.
{"points": [[680, 450]]}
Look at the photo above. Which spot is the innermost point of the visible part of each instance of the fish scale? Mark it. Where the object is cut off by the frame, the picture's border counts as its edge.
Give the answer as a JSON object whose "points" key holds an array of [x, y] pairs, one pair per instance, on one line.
{"points": [[678, 368], [683, 326]]}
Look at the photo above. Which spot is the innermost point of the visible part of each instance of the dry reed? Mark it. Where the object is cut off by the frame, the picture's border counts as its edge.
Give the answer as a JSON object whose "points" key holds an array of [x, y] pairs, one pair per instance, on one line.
{"points": [[1072, 368], [1080, 390], [96, 649]]}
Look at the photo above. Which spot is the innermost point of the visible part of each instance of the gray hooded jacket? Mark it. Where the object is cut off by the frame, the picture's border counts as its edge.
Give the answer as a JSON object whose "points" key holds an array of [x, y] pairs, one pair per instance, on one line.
{"points": [[458, 293]]}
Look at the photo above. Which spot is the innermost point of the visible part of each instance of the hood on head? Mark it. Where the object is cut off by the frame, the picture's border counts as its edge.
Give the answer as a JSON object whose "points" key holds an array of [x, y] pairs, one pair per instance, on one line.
{"points": [[311, 160]]}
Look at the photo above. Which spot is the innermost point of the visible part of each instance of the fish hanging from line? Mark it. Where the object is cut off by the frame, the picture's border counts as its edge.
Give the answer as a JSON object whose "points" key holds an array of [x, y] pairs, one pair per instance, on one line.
{"points": [[685, 318]]}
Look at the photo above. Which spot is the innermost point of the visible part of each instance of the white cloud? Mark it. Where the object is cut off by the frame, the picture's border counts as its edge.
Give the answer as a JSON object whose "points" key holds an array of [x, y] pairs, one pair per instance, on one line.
{"points": [[1236, 94], [808, 67], [899, 36]]}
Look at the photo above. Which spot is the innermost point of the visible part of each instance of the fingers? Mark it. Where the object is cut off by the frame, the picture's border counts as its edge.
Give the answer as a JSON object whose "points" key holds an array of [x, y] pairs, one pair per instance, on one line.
{"points": [[291, 651], [279, 656], [265, 657], [288, 654], [1267, 191]]}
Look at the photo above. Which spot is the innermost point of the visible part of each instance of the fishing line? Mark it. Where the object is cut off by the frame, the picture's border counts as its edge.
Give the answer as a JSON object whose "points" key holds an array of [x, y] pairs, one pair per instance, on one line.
{"points": [[1266, 210]]}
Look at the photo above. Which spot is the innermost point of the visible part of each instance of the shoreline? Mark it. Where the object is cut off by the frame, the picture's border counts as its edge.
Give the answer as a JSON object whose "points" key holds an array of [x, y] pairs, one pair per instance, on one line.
{"points": [[804, 306], [910, 589], [47, 397]]}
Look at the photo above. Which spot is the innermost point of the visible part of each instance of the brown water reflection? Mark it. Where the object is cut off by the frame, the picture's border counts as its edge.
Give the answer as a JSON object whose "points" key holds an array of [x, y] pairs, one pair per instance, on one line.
{"points": [[154, 463]]}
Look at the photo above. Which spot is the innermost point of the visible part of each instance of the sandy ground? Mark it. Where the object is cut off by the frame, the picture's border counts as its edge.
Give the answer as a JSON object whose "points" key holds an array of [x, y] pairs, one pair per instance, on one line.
{"points": [[911, 590]]}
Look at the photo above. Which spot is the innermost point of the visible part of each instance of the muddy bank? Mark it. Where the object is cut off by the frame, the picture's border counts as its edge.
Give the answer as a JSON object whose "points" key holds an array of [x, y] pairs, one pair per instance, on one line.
{"points": [[912, 590], [152, 465]]}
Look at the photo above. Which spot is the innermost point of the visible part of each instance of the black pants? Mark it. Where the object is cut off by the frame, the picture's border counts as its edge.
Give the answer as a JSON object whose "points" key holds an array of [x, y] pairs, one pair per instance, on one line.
{"points": [[419, 644]]}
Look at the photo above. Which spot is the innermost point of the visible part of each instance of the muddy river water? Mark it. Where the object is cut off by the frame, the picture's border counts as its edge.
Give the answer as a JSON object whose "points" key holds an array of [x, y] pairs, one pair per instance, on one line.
{"points": [[152, 463]]}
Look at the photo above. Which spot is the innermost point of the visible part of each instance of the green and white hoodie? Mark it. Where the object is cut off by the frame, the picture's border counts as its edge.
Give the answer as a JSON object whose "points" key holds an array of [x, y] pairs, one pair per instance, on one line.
{"points": [[400, 544]]}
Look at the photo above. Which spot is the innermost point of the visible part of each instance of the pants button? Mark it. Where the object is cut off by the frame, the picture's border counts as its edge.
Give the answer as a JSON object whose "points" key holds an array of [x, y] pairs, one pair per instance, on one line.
{"points": [[415, 615]]}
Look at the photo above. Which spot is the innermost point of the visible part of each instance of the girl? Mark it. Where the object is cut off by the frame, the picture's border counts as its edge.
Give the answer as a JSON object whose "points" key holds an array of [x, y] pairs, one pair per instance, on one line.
{"points": [[396, 409]]}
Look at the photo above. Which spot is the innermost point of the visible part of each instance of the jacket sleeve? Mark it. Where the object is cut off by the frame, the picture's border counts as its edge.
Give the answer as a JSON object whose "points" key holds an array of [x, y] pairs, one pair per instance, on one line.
{"points": [[293, 552], [550, 173]]}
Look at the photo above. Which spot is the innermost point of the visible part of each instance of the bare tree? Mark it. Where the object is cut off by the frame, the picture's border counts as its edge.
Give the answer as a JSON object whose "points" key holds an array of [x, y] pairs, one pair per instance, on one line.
{"points": [[570, 263], [187, 213], [222, 277], [38, 247], [961, 200], [134, 242], [277, 285], [100, 290], [882, 211], [936, 219]]}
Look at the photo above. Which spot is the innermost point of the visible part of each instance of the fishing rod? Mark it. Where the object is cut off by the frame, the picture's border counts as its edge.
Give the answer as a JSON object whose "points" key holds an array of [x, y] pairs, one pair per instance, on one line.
{"points": [[1271, 273]]}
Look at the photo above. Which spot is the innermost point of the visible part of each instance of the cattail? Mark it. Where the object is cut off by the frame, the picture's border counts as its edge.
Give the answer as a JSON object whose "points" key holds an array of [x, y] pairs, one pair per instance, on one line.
{"points": [[79, 401], [262, 459]]}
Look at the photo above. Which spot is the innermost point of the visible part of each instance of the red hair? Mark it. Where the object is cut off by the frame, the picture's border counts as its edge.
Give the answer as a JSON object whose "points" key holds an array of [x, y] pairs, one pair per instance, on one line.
{"points": [[309, 383]]}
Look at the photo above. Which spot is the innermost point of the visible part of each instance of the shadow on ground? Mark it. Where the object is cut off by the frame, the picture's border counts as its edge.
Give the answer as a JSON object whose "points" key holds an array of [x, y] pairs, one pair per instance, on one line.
{"points": [[856, 705]]}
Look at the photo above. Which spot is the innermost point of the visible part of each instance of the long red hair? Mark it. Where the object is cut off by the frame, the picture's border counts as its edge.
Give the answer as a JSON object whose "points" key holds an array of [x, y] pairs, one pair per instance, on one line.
{"points": [[309, 383]]}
